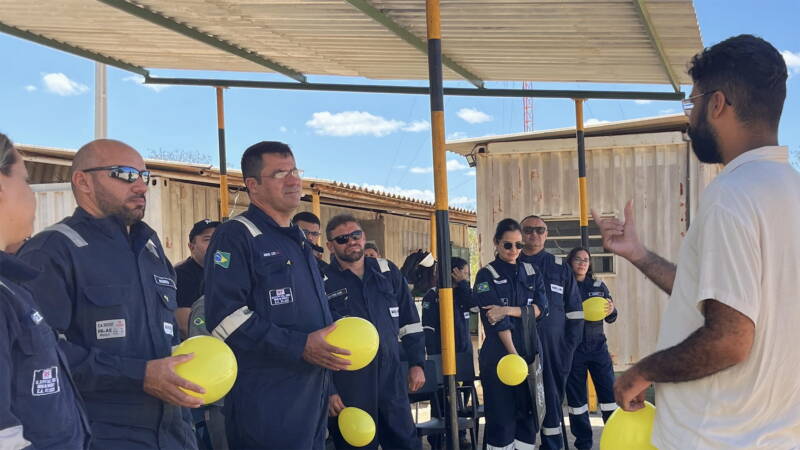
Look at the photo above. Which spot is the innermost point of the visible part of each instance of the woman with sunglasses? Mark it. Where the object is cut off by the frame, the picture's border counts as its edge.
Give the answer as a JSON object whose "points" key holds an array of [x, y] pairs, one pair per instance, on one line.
{"points": [[507, 292], [591, 354], [39, 406]]}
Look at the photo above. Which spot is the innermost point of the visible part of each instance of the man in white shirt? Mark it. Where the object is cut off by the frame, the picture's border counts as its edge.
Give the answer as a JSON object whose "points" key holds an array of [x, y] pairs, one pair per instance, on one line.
{"points": [[727, 359]]}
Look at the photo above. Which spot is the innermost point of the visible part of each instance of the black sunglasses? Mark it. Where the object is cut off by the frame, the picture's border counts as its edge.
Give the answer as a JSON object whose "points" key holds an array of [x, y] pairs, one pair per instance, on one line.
{"points": [[124, 173], [343, 239], [537, 230], [510, 245]]}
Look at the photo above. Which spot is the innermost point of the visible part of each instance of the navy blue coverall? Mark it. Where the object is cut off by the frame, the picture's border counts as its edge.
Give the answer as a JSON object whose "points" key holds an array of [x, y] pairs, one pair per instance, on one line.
{"points": [[510, 415], [560, 333], [39, 402], [263, 296], [463, 302], [111, 295], [592, 355], [381, 388]]}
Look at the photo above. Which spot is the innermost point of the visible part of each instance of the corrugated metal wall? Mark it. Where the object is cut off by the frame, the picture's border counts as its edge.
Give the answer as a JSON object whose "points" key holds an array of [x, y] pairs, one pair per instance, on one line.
{"points": [[174, 206], [540, 177]]}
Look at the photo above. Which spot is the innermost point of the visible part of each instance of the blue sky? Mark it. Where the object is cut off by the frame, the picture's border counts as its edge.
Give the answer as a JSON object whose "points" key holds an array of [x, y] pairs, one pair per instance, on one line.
{"points": [[375, 140]]}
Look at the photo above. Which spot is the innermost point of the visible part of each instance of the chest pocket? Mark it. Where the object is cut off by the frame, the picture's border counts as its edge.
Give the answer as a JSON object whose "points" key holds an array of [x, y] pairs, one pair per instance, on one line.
{"points": [[338, 302], [275, 291], [167, 292], [106, 321], [388, 300]]}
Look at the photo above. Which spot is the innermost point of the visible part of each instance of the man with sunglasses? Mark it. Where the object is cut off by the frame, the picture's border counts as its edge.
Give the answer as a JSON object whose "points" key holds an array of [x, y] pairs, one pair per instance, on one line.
{"points": [[310, 226], [726, 365], [110, 292], [560, 331], [374, 289], [264, 297]]}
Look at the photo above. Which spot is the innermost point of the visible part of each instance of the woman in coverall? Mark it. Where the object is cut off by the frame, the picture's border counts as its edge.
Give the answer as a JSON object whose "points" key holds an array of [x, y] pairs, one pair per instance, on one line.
{"points": [[507, 291]]}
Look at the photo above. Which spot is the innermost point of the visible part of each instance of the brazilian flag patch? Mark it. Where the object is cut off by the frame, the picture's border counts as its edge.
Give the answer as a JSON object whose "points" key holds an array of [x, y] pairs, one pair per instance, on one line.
{"points": [[222, 259], [483, 287]]}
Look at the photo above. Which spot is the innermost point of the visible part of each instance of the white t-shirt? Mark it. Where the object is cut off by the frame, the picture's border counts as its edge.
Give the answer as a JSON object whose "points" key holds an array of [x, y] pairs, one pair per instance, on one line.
{"points": [[742, 249]]}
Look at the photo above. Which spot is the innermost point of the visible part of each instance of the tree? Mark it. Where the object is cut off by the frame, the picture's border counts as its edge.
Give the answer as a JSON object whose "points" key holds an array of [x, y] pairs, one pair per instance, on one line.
{"points": [[181, 155]]}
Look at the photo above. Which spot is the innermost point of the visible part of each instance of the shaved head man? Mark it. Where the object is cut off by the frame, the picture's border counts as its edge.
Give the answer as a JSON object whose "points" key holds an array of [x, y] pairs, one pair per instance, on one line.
{"points": [[110, 292]]}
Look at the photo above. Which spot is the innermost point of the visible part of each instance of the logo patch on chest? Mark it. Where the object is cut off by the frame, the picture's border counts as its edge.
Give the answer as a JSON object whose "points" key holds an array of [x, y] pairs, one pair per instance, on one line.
{"points": [[45, 382], [280, 296], [36, 317], [557, 289], [483, 287], [222, 259], [168, 329], [394, 311], [108, 329]]}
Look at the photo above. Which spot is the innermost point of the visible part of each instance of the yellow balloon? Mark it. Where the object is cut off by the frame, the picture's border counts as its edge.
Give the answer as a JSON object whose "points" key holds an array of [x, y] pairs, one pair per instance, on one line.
{"points": [[357, 335], [213, 366], [594, 309], [629, 430], [512, 369], [356, 426]]}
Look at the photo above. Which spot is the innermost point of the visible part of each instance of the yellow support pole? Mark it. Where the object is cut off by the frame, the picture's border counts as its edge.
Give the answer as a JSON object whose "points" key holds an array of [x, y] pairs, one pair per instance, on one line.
{"points": [[223, 169]]}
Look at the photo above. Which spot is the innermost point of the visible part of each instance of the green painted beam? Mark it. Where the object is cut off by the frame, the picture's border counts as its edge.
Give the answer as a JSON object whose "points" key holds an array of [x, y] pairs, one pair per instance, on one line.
{"points": [[193, 33], [64, 47], [641, 8], [420, 90], [419, 44]]}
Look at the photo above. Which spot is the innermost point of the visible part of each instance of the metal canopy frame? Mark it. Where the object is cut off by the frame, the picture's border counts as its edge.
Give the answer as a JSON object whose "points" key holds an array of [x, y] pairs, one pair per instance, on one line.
{"points": [[641, 8]]}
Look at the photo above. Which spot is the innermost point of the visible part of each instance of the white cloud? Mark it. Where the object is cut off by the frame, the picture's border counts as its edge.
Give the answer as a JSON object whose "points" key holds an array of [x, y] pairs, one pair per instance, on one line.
{"points": [[420, 194], [283, 129], [470, 173], [594, 121], [454, 164], [456, 135], [60, 84], [402, 166], [417, 126], [472, 115], [667, 111], [30, 88], [352, 123], [421, 170], [792, 61], [138, 79], [643, 102]]}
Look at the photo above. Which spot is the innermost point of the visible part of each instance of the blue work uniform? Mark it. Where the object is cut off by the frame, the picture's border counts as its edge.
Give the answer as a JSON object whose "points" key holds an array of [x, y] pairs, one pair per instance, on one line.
{"points": [[381, 388], [263, 296], [111, 295], [592, 355], [510, 413], [463, 304], [560, 333], [39, 402]]}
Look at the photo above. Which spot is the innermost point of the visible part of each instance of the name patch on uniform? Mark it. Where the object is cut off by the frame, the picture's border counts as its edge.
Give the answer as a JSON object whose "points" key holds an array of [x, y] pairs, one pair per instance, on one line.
{"points": [[268, 254], [466, 315], [483, 287], [394, 311], [530, 301], [556, 288], [338, 293], [222, 259], [168, 329], [36, 317], [597, 294], [280, 296], [108, 329], [45, 382], [165, 281], [500, 281]]}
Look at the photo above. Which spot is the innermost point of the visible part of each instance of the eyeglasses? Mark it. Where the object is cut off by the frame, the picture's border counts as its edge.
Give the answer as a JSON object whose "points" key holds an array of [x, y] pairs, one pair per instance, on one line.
{"points": [[124, 173], [510, 245], [688, 103], [343, 239], [537, 230], [281, 174], [581, 260], [311, 234]]}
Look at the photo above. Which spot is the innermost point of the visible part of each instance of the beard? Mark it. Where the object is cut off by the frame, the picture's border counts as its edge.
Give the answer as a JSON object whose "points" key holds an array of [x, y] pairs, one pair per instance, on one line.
{"points": [[111, 207], [352, 256], [704, 142]]}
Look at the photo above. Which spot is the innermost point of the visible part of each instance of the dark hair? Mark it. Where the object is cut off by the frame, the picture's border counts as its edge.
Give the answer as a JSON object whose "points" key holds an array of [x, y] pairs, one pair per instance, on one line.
{"points": [[574, 254], [306, 216], [252, 162], [337, 220], [749, 71], [8, 157], [504, 226], [457, 263], [372, 246]]}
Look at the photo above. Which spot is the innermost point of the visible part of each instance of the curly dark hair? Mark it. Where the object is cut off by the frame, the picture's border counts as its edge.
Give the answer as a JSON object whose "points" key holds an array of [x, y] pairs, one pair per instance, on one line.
{"points": [[8, 157], [750, 72]]}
